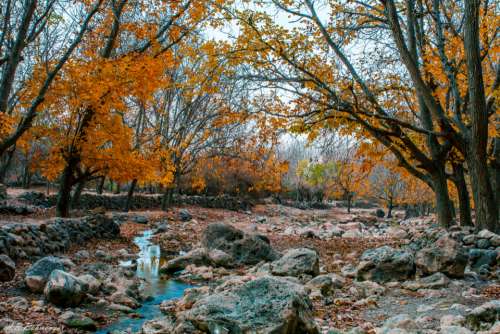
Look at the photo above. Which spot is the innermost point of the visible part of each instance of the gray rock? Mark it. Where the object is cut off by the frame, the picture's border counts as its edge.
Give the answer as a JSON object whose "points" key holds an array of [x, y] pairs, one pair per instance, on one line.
{"points": [[78, 321], [481, 257], [140, 219], [92, 284], [265, 305], [38, 274], [454, 330], [297, 262], [326, 283], [483, 317], [445, 255], [64, 289], [486, 234], [483, 243], [7, 268], [434, 281], [385, 264], [158, 326], [400, 321], [184, 215], [244, 248]]}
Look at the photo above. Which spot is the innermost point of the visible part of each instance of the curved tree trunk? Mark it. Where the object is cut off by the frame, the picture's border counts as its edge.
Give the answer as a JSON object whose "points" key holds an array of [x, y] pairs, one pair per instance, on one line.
{"points": [[75, 200], [442, 198], [463, 196]]}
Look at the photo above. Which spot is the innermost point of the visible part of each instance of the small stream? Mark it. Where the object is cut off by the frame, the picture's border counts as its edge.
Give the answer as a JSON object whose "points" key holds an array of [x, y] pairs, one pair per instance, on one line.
{"points": [[148, 266]]}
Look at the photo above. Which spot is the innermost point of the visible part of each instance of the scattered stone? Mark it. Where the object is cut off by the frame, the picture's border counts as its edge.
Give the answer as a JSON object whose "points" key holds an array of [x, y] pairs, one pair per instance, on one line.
{"points": [[380, 213], [483, 317], [7, 268], [435, 281], [82, 254], [93, 284], [263, 305], [18, 303], [38, 274], [244, 248], [326, 283], [184, 215], [455, 330], [297, 262], [139, 219], [385, 264], [77, 321], [478, 258], [64, 289], [452, 320], [446, 256]]}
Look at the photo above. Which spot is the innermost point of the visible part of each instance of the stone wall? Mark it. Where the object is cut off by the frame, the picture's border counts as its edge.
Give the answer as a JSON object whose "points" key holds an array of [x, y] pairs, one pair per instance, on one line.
{"points": [[22, 241], [141, 201]]}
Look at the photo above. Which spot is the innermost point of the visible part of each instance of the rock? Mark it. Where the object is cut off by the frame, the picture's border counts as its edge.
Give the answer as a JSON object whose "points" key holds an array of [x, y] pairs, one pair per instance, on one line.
{"points": [[486, 234], [7, 268], [452, 320], [483, 317], [483, 244], [445, 255], [158, 326], [64, 289], [93, 284], [220, 258], [18, 303], [297, 262], [352, 234], [184, 215], [326, 283], [139, 219], [368, 289], [385, 264], [469, 239], [77, 321], [435, 281], [244, 248], [380, 213], [401, 321], [38, 274], [197, 256], [348, 271], [264, 305], [478, 258], [123, 299], [82, 254], [455, 330]]}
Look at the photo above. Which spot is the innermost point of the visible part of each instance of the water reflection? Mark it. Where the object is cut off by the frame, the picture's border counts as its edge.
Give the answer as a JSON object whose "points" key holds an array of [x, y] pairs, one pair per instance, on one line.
{"points": [[149, 263]]}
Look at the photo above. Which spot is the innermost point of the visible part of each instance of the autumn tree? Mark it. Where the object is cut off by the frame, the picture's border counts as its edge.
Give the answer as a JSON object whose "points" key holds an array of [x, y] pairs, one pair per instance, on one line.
{"points": [[390, 70]]}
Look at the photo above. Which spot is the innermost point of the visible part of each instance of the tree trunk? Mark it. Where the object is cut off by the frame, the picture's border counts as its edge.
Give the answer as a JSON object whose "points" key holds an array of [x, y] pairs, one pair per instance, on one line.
{"points": [[463, 195], [75, 200], [100, 185], [64, 194], [443, 203], [130, 195], [349, 198], [4, 169], [117, 188], [166, 201], [484, 200], [390, 207]]}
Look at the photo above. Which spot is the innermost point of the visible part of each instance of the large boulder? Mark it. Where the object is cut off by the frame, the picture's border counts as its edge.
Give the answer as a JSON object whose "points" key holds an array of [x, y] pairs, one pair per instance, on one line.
{"points": [[7, 268], [244, 248], [297, 262], [199, 257], [446, 255], [38, 274], [264, 305], [64, 289], [385, 264]]}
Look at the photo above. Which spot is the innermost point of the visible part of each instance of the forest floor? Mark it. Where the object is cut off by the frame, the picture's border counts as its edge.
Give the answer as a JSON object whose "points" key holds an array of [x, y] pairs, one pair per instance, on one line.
{"points": [[286, 227]]}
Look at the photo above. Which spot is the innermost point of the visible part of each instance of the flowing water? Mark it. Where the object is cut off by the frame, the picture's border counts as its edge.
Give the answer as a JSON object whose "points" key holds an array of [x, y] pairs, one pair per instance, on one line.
{"points": [[148, 266]]}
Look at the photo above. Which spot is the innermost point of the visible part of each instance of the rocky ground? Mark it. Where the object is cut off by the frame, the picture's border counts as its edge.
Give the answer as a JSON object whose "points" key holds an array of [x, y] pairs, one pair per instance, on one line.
{"points": [[273, 269]]}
